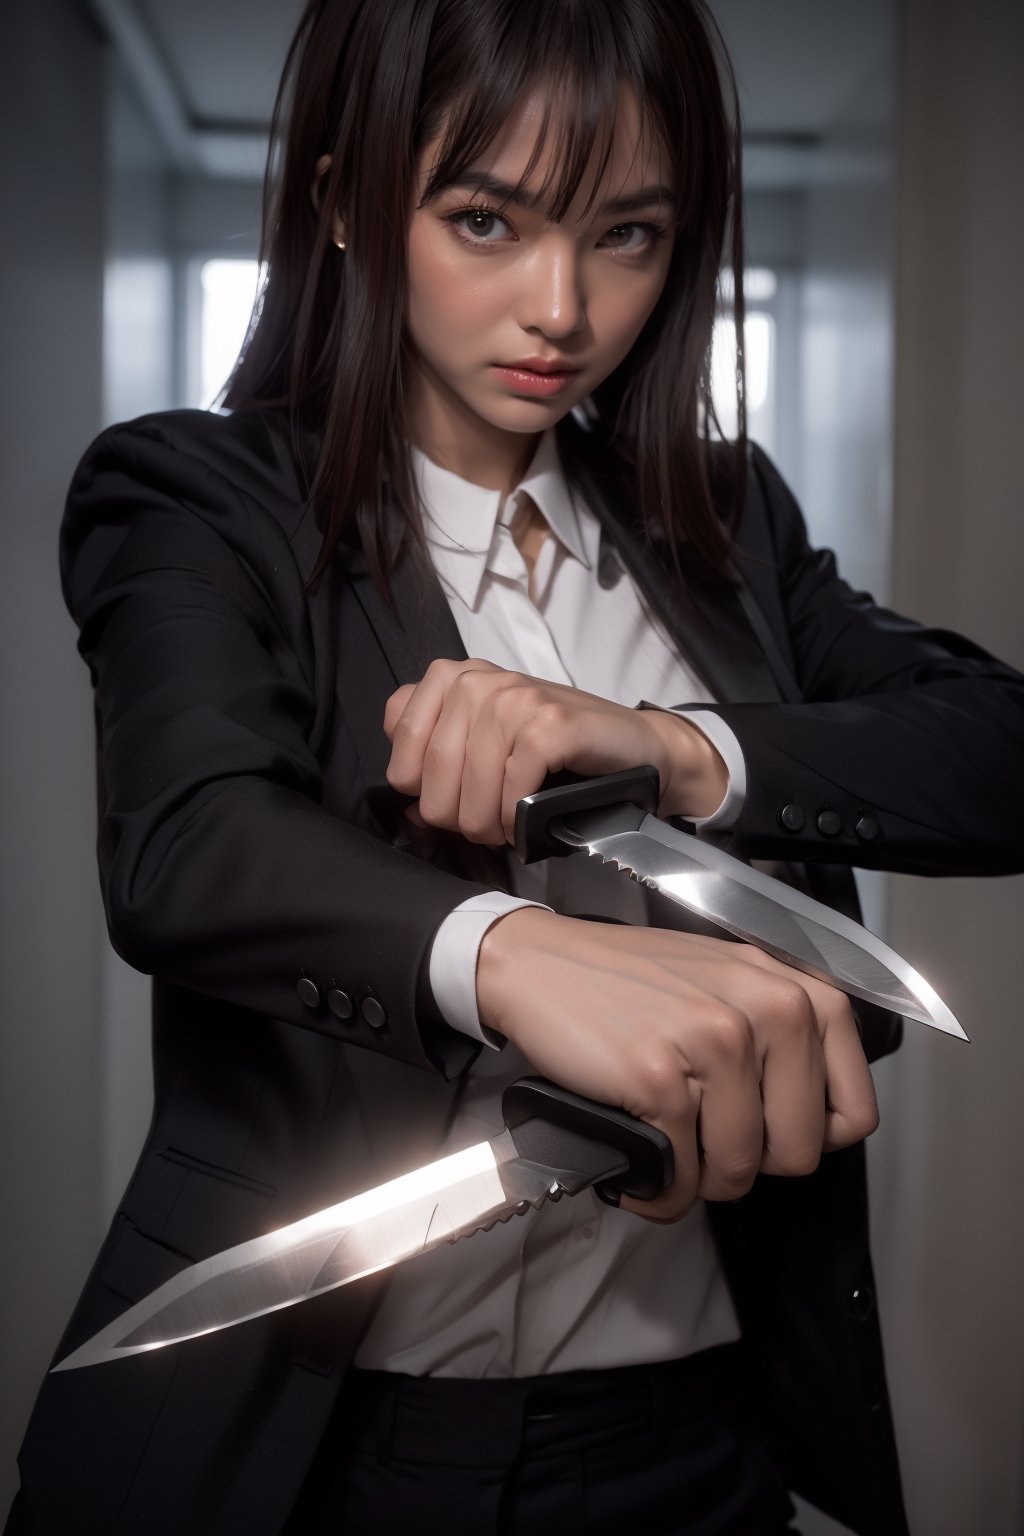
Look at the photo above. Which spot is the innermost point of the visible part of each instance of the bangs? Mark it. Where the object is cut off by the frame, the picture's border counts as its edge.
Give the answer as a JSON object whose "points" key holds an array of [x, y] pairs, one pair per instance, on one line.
{"points": [[579, 55]]}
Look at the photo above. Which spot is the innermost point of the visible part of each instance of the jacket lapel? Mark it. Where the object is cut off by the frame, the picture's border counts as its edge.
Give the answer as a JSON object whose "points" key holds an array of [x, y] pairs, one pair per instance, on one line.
{"points": [[714, 620], [420, 629], [709, 618]]}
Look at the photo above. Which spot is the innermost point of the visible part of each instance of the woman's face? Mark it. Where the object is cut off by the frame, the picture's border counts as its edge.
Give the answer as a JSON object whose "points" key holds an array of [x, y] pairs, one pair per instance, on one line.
{"points": [[487, 289]]}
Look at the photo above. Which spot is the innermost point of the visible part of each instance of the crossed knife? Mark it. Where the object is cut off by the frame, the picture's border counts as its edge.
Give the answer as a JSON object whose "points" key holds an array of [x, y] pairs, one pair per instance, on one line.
{"points": [[554, 1143]]}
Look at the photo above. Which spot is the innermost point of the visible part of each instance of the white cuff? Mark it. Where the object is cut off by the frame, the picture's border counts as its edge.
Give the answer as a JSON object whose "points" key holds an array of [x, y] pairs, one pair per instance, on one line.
{"points": [[723, 738], [453, 958]]}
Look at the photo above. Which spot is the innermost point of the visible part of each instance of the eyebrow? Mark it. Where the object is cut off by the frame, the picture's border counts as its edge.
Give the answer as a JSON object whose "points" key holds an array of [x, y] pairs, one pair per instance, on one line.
{"points": [[505, 192]]}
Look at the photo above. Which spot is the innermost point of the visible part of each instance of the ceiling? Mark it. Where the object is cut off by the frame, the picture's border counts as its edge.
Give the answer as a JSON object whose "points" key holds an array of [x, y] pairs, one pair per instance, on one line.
{"points": [[208, 70]]}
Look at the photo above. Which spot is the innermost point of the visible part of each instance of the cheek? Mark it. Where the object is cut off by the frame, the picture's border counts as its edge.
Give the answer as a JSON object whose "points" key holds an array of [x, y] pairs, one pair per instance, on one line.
{"points": [[444, 309], [620, 311]]}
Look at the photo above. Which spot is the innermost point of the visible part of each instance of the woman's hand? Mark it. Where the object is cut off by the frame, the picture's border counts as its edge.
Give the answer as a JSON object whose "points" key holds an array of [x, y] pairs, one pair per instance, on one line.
{"points": [[746, 1064], [471, 739]]}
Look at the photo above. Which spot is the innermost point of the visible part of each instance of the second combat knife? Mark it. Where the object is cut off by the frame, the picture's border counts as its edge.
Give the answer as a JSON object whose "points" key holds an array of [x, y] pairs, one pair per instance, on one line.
{"points": [[554, 1143]]}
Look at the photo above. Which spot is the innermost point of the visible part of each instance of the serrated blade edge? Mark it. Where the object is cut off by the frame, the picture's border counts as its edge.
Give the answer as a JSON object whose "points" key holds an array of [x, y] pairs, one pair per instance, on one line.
{"points": [[776, 917]]}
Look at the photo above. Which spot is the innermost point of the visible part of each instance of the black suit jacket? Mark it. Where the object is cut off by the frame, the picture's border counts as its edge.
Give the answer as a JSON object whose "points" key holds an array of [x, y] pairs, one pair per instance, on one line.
{"points": [[247, 843]]}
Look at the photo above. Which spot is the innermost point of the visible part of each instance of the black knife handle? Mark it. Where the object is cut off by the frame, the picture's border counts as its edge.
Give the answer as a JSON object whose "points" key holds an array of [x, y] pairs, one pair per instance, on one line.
{"points": [[571, 1134], [562, 794]]}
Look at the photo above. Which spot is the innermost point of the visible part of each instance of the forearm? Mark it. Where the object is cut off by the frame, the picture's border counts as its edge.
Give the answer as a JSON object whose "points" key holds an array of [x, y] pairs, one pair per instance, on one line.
{"points": [[921, 780], [251, 887]]}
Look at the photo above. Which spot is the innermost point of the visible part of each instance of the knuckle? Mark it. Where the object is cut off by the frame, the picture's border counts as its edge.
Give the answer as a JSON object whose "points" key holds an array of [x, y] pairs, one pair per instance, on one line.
{"points": [[658, 1075], [729, 1037], [467, 682], [790, 1005], [551, 711], [542, 716]]}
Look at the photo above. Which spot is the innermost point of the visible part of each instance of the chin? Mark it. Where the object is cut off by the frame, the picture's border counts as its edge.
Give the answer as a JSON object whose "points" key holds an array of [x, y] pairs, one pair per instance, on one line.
{"points": [[528, 415]]}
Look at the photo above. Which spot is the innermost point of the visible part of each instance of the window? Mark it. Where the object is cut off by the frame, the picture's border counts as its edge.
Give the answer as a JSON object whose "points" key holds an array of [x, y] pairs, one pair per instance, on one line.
{"points": [[227, 292], [759, 342]]}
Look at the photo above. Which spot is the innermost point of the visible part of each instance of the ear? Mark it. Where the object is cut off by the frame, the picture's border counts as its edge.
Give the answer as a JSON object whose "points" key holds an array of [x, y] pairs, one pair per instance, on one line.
{"points": [[323, 165]]}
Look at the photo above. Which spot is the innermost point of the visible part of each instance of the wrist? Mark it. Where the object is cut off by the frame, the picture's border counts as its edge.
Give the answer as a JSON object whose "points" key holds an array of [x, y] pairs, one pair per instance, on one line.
{"points": [[694, 776], [500, 961]]}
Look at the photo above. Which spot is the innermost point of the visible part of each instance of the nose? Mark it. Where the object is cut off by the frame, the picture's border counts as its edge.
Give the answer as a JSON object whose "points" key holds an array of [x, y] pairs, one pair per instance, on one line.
{"points": [[552, 298]]}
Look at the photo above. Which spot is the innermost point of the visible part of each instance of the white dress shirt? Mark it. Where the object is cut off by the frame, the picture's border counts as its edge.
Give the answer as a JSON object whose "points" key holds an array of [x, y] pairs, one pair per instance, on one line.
{"points": [[579, 1284]]}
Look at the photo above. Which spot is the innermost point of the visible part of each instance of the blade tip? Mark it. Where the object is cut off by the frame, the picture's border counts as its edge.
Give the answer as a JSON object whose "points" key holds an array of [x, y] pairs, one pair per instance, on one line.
{"points": [[69, 1363]]}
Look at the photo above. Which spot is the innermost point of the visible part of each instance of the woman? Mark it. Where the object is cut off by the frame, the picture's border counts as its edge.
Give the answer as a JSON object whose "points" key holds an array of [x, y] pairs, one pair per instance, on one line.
{"points": [[335, 636]]}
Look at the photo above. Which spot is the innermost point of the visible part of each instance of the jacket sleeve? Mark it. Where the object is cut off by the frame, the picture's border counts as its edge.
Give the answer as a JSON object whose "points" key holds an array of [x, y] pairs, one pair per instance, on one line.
{"points": [[220, 869], [907, 750]]}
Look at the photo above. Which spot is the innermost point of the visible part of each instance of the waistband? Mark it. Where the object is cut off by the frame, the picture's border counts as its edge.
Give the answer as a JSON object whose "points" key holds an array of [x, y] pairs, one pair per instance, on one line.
{"points": [[478, 1423]]}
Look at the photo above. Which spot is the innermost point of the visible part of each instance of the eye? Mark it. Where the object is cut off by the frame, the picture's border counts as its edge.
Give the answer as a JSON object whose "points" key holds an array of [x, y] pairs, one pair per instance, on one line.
{"points": [[479, 223], [650, 235]]}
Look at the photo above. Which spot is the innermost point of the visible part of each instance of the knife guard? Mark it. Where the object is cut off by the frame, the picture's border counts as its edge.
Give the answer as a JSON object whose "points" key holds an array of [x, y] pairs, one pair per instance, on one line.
{"points": [[572, 1136], [565, 794]]}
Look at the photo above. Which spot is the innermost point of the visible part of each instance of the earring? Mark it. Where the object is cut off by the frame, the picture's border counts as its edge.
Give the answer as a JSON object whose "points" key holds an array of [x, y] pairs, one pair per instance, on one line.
{"points": [[340, 244]]}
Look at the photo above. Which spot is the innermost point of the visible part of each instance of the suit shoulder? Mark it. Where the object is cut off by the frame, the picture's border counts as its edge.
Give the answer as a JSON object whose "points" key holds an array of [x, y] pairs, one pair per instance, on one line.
{"points": [[222, 491], [205, 455]]}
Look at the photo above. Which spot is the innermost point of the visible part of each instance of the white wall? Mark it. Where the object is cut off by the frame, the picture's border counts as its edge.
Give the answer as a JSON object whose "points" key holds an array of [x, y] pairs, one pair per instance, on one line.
{"points": [[949, 1213], [846, 322], [842, 469], [87, 324], [51, 193]]}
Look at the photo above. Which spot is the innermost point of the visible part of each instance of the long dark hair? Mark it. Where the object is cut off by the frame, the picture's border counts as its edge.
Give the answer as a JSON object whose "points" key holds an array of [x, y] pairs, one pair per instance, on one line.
{"points": [[369, 82]]}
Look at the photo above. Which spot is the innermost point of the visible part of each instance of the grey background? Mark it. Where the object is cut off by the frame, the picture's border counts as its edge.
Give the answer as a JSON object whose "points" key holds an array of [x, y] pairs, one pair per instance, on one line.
{"points": [[883, 149]]}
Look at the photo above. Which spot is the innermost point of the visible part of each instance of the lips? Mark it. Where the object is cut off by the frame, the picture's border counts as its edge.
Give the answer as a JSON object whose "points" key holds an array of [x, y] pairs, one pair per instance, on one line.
{"points": [[531, 381], [540, 365]]}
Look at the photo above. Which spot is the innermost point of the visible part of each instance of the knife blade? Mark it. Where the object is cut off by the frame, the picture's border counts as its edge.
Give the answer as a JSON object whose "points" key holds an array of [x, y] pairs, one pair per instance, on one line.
{"points": [[611, 818], [554, 1143]]}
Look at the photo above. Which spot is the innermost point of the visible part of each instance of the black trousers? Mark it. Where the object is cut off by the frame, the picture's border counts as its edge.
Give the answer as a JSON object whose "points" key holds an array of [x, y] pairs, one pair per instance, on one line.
{"points": [[659, 1450]]}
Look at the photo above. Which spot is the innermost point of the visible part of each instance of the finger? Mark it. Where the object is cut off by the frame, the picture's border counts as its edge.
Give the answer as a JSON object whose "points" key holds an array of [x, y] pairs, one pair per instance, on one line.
{"points": [[395, 707], [681, 1129], [519, 737], [847, 1109], [443, 762], [526, 767], [415, 726], [452, 793], [852, 1107], [731, 1127], [485, 765], [793, 1077]]}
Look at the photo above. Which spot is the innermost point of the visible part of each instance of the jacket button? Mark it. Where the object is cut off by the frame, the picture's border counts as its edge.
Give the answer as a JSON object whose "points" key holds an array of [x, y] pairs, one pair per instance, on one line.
{"points": [[791, 818], [372, 1012], [339, 1003], [309, 992], [868, 829], [862, 1303], [829, 822]]}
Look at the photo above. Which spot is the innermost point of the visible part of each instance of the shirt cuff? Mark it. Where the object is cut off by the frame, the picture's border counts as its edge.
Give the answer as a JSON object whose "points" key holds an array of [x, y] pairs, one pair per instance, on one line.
{"points": [[723, 738], [453, 958]]}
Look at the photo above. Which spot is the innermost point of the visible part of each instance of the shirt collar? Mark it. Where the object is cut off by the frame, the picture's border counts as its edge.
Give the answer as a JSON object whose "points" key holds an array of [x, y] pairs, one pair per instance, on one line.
{"points": [[459, 517]]}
